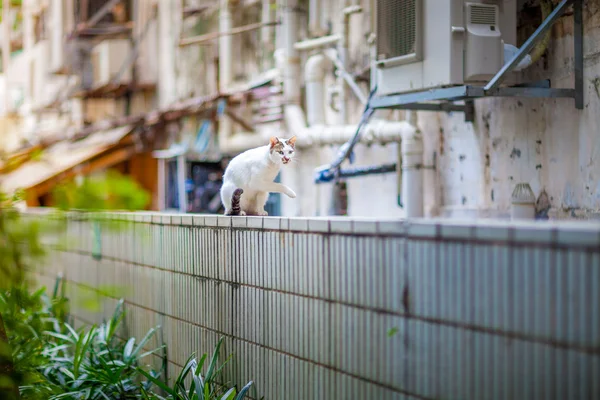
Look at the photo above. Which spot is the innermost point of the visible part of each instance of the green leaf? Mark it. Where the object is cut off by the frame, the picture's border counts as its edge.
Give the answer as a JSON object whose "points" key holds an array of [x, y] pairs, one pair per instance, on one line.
{"points": [[158, 383], [67, 373], [128, 348], [142, 342], [244, 390], [61, 336], [213, 363], [229, 395]]}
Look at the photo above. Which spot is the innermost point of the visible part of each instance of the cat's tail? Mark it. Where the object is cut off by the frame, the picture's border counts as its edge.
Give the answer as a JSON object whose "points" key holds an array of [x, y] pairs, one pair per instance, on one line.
{"points": [[235, 202]]}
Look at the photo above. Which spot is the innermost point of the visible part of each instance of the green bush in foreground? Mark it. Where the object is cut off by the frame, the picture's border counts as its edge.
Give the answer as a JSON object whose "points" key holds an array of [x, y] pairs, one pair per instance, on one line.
{"points": [[205, 387], [42, 357]]}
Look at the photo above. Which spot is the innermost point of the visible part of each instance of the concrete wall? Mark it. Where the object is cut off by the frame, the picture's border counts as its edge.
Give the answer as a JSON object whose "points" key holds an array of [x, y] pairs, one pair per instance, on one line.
{"points": [[353, 309]]}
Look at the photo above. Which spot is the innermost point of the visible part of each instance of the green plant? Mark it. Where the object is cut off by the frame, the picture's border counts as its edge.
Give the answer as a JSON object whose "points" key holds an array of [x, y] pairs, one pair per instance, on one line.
{"points": [[94, 363], [205, 387], [23, 315], [108, 191]]}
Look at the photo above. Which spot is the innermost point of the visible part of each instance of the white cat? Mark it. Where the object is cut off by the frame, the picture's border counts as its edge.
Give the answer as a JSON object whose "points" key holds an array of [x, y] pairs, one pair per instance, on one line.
{"points": [[252, 173]]}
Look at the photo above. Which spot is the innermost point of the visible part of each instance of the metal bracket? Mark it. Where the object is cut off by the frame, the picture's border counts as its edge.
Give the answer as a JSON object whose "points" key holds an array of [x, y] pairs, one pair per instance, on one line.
{"points": [[444, 99]]}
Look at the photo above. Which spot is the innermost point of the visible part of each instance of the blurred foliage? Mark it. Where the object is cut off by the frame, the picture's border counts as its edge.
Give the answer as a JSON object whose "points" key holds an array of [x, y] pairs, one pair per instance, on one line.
{"points": [[110, 191], [26, 314], [42, 356]]}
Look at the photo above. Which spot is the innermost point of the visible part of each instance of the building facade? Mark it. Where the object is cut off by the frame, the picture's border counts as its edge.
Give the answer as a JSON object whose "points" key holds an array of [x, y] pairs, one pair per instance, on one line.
{"points": [[263, 68]]}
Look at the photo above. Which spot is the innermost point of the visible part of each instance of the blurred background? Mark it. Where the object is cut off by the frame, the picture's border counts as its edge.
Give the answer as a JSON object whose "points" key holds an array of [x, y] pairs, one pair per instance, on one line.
{"points": [[166, 92]]}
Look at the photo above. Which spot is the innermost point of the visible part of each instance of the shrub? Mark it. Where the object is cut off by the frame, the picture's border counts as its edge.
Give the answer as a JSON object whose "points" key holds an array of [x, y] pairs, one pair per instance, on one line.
{"points": [[205, 387]]}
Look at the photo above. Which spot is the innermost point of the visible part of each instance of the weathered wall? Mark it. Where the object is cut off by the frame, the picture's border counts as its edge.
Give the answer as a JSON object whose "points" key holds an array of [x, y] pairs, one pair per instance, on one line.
{"points": [[546, 143]]}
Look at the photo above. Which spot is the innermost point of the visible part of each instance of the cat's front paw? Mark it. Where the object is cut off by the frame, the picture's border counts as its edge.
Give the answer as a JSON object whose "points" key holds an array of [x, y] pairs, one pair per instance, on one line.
{"points": [[242, 213], [262, 213], [291, 193]]}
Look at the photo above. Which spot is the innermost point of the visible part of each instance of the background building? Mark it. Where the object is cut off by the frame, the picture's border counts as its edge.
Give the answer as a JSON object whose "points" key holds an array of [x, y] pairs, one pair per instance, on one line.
{"points": [[188, 84]]}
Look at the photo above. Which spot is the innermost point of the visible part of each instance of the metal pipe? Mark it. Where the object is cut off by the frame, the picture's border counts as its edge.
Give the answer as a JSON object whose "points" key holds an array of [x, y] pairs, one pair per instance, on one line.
{"points": [[313, 44], [233, 31], [347, 77], [181, 193], [360, 171], [527, 46]]}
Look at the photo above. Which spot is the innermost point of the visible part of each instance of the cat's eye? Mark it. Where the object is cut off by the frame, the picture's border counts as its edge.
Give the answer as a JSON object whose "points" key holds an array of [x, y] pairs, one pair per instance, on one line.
{"points": [[280, 152]]}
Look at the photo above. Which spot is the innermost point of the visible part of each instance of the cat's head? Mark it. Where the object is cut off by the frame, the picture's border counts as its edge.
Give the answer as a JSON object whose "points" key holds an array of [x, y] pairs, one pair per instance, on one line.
{"points": [[281, 151]]}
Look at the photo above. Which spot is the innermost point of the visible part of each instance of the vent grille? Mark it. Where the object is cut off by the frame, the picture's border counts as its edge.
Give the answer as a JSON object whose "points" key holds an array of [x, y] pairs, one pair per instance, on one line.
{"points": [[482, 15], [396, 28]]}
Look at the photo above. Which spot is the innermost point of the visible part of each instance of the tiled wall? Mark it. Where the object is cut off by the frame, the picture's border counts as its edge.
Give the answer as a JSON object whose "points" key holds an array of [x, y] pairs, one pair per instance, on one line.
{"points": [[359, 309]]}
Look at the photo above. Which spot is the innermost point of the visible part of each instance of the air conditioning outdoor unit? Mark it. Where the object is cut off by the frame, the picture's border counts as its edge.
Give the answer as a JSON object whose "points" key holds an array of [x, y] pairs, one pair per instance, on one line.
{"points": [[427, 44], [108, 57]]}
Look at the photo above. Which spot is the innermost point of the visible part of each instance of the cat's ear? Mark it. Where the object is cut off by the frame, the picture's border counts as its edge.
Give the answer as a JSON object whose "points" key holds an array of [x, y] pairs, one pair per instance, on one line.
{"points": [[292, 141], [273, 141]]}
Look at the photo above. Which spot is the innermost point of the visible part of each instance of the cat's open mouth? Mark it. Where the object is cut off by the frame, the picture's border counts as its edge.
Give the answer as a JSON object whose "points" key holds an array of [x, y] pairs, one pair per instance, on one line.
{"points": [[286, 160]]}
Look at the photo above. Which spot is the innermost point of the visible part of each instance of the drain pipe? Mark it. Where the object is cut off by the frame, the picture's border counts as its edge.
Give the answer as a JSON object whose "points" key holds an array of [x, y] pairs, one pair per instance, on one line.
{"points": [[315, 70], [410, 195]]}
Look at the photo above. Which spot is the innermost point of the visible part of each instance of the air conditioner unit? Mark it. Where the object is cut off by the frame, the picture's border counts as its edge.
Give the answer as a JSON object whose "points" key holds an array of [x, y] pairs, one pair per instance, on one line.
{"points": [[427, 44], [108, 57]]}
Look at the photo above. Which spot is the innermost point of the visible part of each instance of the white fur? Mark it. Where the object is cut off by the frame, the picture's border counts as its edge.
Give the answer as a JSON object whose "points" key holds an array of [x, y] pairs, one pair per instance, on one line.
{"points": [[253, 171]]}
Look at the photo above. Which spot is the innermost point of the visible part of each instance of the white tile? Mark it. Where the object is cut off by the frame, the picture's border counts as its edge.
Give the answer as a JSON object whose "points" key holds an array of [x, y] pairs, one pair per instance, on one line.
{"points": [[255, 222]]}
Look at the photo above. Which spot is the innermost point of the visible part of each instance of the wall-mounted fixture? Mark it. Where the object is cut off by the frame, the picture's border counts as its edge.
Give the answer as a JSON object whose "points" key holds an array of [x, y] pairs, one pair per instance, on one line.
{"points": [[454, 51]]}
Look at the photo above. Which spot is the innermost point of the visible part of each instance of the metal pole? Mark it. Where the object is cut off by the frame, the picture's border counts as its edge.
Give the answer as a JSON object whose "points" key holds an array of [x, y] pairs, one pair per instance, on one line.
{"points": [[181, 175], [528, 45]]}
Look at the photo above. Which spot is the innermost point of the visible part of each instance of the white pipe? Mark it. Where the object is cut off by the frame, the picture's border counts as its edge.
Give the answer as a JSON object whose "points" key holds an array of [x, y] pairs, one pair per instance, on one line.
{"points": [[314, 17], [376, 132], [225, 46], [291, 72], [166, 63], [315, 70], [266, 33], [312, 44], [412, 175]]}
